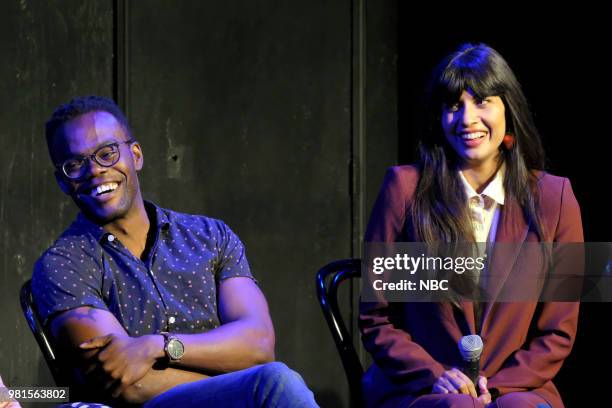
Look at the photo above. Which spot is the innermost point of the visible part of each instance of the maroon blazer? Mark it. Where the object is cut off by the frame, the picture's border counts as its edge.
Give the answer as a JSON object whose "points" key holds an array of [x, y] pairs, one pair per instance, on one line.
{"points": [[412, 344]]}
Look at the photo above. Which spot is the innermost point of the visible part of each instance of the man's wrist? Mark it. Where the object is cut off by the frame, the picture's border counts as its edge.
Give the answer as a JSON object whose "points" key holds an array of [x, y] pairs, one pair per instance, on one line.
{"points": [[157, 347]]}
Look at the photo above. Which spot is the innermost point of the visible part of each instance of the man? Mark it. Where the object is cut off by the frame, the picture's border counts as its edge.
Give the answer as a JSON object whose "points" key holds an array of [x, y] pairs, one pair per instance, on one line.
{"points": [[158, 307]]}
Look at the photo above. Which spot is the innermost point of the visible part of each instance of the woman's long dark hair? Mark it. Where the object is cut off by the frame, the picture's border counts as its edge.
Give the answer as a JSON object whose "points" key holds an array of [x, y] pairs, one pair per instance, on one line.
{"points": [[440, 212]]}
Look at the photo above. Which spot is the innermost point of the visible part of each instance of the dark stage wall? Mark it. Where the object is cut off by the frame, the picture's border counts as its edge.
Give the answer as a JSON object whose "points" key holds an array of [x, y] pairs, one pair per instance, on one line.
{"points": [[277, 117]]}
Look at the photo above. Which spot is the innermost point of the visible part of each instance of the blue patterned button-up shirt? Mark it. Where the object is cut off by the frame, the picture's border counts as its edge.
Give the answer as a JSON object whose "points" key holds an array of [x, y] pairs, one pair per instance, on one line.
{"points": [[174, 289]]}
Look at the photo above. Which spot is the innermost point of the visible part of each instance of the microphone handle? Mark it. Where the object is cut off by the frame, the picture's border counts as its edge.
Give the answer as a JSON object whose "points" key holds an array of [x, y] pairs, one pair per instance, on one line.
{"points": [[471, 368]]}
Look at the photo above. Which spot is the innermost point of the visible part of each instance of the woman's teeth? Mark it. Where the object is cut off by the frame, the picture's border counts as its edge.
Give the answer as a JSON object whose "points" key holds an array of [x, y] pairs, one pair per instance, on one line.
{"points": [[474, 135]]}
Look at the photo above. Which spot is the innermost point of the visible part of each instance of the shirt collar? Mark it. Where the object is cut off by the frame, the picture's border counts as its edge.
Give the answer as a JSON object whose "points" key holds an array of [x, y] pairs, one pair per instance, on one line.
{"points": [[493, 190], [84, 223]]}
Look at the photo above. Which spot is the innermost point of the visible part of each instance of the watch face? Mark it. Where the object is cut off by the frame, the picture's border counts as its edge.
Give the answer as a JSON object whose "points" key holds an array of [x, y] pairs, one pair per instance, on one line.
{"points": [[175, 349]]}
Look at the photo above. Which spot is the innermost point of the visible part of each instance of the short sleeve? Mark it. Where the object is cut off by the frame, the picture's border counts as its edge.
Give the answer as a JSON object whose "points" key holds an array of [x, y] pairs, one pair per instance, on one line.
{"points": [[232, 261], [64, 280]]}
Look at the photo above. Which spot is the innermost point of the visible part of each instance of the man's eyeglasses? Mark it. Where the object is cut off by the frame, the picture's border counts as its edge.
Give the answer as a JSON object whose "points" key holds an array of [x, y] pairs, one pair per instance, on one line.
{"points": [[105, 156]]}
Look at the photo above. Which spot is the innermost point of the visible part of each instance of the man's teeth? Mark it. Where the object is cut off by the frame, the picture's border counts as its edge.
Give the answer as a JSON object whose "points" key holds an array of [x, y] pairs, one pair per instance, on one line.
{"points": [[104, 188], [474, 135]]}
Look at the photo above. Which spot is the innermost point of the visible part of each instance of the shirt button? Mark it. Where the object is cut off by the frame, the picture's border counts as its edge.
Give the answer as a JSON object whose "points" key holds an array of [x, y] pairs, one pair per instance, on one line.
{"points": [[171, 320], [110, 237]]}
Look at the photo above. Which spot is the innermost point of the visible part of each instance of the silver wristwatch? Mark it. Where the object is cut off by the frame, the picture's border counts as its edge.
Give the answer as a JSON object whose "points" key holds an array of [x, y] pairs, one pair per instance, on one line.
{"points": [[173, 347]]}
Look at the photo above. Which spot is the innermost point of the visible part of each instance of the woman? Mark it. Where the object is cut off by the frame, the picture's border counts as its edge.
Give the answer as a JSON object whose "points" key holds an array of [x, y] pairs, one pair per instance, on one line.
{"points": [[479, 179]]}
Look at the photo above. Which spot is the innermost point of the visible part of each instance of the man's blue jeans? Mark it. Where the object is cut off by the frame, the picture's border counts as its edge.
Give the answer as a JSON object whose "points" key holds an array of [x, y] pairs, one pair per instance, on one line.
{"points": [[266, 385]]}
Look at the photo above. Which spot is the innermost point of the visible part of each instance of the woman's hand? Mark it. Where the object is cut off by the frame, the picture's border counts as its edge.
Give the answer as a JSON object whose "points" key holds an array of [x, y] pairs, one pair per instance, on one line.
{"points": [[485, 395], [454, 381]]}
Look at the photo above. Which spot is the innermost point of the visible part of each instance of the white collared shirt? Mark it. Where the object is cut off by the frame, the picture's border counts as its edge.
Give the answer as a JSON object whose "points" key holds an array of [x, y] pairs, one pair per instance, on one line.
{"points": [[485, 212], [485, 207]]}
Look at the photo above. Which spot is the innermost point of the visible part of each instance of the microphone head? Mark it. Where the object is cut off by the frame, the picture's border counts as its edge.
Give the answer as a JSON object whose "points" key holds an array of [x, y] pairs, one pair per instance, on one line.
{"points": [[470, 347]]}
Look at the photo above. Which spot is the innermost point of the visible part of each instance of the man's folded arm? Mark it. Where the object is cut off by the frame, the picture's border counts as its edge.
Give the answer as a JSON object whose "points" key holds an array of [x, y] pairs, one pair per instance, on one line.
{"points": [[245, 338], [76, 326]]}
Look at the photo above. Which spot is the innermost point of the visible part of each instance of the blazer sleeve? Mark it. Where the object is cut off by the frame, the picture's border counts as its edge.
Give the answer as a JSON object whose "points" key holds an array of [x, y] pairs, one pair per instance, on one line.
{"points": [[555, 323], [391, 348]]}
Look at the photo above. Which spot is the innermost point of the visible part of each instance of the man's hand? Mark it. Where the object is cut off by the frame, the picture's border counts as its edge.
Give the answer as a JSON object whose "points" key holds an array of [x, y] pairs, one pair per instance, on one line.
{"points": [[125, 360], [454, 381], [73, 327]]}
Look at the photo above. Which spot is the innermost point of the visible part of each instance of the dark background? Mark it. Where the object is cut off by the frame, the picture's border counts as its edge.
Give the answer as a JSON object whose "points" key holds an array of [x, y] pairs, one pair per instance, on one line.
{"points": [[279, 118]]}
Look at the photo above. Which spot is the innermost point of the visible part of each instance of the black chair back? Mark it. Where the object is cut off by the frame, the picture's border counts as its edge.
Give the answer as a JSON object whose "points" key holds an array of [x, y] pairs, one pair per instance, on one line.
{"points": [[329, 279], [32, 317]]}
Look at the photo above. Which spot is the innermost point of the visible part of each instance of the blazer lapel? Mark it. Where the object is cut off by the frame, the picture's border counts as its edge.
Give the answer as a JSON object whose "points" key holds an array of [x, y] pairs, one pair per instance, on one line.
{"points": [[512, 225], [468, 312], [512, 232]]}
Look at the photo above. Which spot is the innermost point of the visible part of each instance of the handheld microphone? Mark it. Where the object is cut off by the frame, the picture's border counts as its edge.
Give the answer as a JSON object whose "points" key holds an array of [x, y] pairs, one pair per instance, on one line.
{"points": [[470, 348]]}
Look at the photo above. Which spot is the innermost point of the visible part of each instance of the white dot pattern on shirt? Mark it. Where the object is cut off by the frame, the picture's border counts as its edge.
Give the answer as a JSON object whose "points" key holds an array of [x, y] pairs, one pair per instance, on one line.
{"points": [[107, 276]]}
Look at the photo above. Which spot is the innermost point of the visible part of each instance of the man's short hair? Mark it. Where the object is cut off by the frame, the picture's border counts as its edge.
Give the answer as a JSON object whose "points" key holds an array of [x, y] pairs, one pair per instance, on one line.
{"points": [[80, 106]]}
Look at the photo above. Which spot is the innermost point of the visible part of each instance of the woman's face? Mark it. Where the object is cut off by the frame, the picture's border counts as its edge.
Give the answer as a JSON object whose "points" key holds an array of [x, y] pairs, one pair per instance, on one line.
{"points": [[475, 128]]}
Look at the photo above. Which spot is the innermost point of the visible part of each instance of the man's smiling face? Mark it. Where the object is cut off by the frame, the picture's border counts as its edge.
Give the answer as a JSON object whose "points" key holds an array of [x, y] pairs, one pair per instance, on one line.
{"points": [[103, 194]]}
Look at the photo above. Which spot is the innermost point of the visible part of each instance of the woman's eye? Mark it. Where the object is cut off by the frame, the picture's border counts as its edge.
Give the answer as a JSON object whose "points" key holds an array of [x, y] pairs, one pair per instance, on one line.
{"points": [[483, 101], [453, 107]]}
